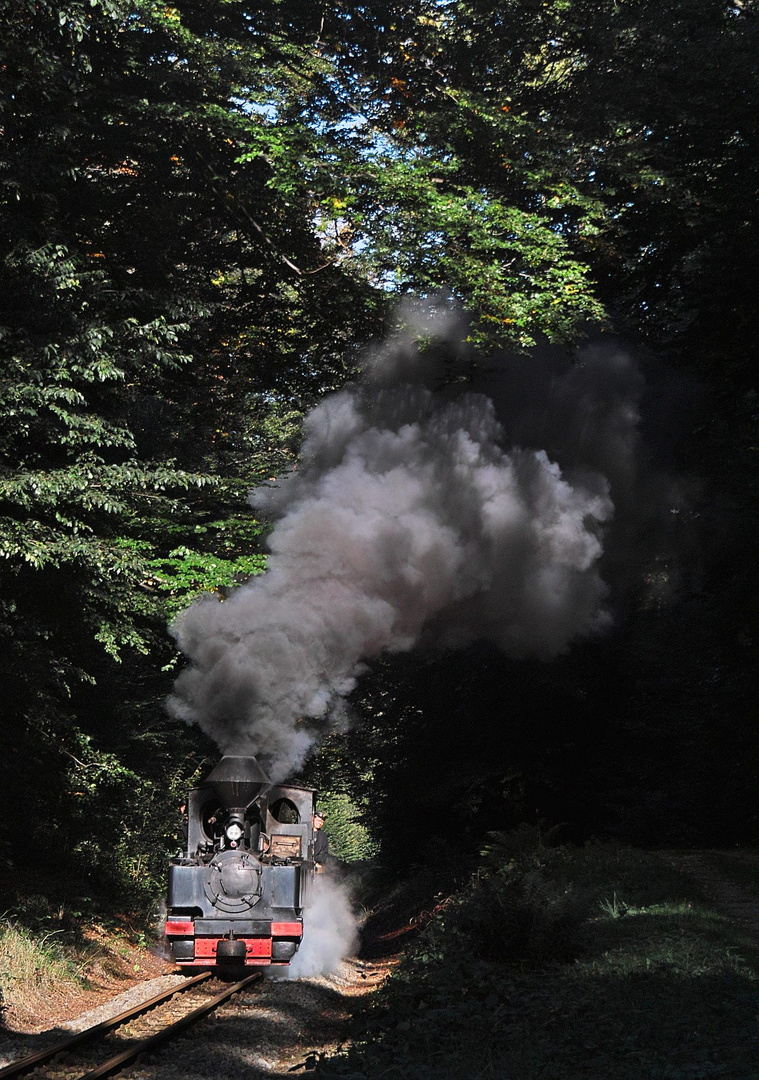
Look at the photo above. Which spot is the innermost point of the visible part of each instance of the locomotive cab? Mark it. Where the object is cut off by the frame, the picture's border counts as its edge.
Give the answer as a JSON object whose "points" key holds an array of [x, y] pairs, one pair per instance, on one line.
{"points": [[237, 895]]}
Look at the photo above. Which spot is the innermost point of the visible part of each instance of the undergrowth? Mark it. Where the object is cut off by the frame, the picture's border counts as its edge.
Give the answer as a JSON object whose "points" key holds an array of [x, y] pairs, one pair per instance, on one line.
{"points": [[561, 963], [349, 839], [55, 947], [33, 962]]}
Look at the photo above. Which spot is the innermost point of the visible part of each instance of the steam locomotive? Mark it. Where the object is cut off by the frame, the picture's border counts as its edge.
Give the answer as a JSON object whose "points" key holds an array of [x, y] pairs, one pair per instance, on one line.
{"points": [[237, 896]]}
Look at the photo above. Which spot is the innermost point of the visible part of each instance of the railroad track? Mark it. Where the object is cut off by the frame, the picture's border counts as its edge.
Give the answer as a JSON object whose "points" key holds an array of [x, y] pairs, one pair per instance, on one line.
{"points": [[142, 1029]]}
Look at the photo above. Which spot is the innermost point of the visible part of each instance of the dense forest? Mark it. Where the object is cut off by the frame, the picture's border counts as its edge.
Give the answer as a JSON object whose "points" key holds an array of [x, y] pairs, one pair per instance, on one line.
{"points": [[208, 213]]}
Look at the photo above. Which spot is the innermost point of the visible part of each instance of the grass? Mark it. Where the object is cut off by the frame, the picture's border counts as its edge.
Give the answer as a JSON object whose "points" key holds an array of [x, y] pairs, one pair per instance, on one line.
{"points": [[560, 964], [736, 866], [54, 950], [33, 963]]}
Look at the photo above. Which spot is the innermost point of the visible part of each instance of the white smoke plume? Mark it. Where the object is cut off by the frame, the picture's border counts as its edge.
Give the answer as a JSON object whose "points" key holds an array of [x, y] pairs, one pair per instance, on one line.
{"points": [[330, 931], [415, 515]]}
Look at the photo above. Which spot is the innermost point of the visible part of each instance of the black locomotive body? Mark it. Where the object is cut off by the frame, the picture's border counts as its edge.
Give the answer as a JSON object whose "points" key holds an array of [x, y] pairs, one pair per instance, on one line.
{"points": [[238, 894]]}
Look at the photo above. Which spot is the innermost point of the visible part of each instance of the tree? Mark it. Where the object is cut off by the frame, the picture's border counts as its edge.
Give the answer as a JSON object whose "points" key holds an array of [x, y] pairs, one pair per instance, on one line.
{"points": [[629, 128], [150, 295], [207, 211]]}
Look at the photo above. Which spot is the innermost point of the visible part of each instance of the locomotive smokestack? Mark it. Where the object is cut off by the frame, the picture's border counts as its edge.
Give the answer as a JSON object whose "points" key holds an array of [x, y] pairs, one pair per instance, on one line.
{"points": [[238, 782]]}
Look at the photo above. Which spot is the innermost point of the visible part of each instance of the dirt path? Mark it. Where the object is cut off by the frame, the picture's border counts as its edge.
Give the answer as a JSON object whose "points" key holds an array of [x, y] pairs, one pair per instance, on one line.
{"points": [[729, 879], [276, 1030]]}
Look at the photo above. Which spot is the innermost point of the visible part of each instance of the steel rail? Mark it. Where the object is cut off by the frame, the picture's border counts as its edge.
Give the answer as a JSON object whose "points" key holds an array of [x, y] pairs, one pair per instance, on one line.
{"points": [[144, 1045], [25, 1064]]}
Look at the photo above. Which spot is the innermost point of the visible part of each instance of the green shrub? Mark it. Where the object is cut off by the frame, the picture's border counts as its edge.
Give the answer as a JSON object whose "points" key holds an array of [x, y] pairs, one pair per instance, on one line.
{"points": [[565, 963], [512, 917], [349, 839]]}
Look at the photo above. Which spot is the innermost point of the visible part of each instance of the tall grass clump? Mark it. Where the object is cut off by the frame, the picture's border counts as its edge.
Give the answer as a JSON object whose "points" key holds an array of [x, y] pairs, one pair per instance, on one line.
{"points": [[34, 965]]}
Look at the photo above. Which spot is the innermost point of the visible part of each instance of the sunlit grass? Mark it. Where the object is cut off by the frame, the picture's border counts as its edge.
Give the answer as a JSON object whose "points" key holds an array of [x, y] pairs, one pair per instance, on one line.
{"points": [[32, 965], [618, 909]]}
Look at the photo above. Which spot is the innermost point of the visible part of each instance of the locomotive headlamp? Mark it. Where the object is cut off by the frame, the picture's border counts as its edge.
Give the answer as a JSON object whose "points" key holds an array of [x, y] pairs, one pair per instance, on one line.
{"points": [[234, 832]]}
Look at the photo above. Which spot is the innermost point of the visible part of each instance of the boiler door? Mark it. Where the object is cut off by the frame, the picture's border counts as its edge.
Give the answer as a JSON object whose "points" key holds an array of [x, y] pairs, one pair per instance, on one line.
{"points": [[233, 881]]}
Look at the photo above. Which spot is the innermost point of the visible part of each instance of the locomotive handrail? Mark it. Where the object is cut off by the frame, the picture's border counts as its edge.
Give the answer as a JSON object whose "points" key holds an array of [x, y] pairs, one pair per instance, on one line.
{"points": [[25, 1064]]}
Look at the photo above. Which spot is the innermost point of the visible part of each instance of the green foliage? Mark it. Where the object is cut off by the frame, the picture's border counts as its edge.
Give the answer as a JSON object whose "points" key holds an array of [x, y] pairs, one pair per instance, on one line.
{"points": [[113, 827], [666, 991], [349, 839], [631, 119], [529, 904], [146, 316], [206, 211], [515, 273], [184, 572]]}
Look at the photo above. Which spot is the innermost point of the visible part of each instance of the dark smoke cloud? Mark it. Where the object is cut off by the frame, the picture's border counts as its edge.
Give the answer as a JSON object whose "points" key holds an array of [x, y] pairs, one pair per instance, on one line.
{"points": [[417, 513]]}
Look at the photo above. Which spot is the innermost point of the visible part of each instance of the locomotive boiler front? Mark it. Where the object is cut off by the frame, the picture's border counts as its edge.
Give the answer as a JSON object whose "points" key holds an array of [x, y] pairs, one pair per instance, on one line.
{"points": [[237, 895]]}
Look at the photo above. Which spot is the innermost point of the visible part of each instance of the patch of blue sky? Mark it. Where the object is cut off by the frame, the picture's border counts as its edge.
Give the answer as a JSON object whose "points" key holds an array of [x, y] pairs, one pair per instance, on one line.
{"points": [[381, 145], [351, 123], [269, 110]]}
